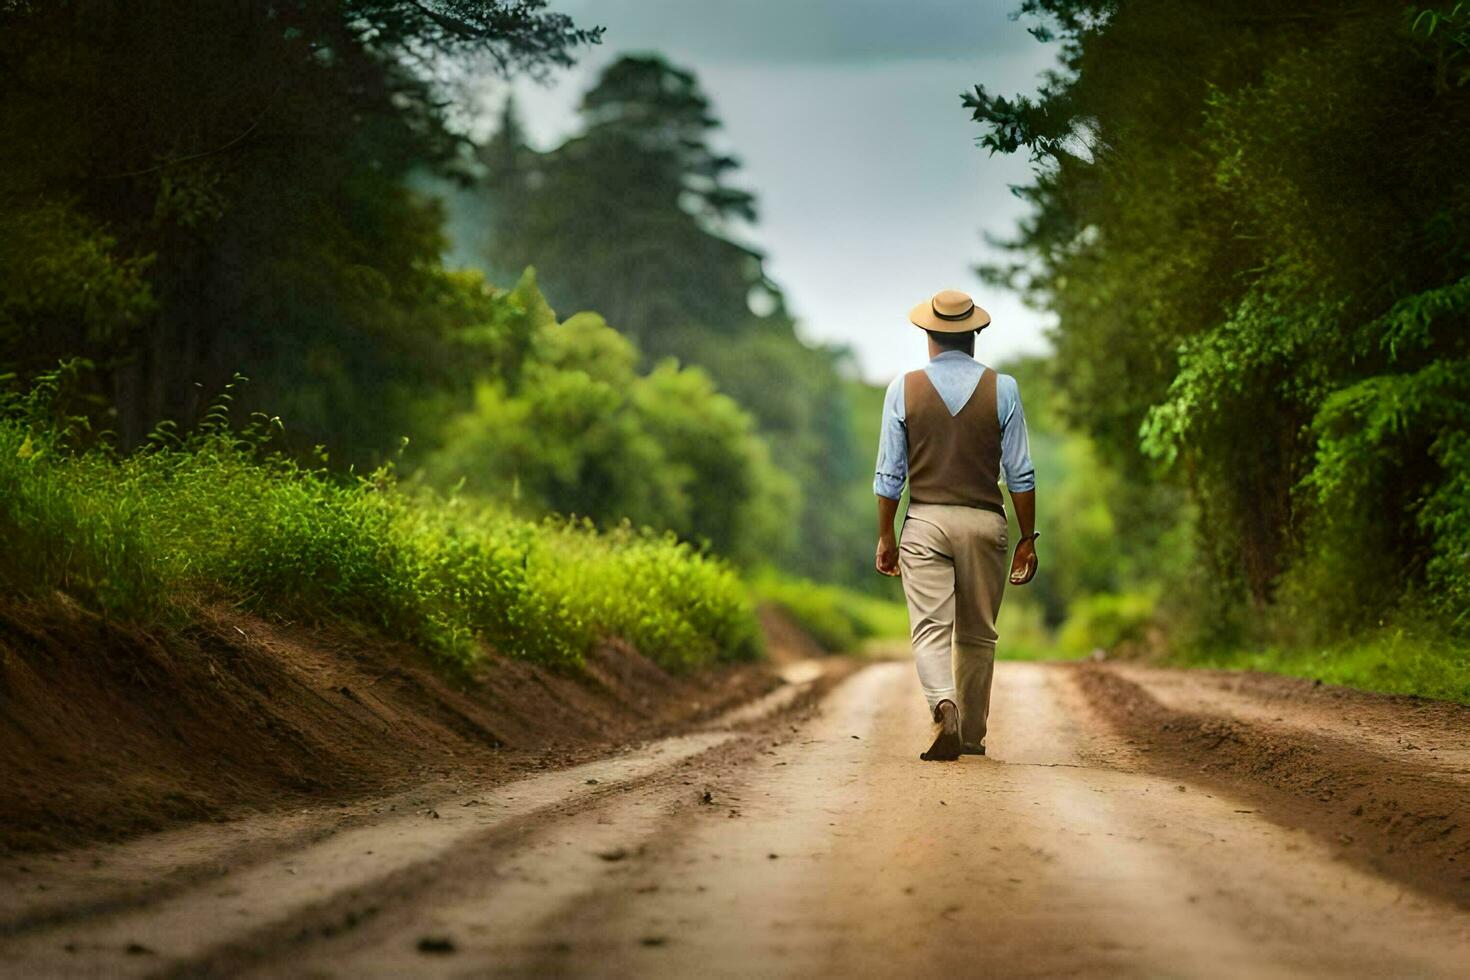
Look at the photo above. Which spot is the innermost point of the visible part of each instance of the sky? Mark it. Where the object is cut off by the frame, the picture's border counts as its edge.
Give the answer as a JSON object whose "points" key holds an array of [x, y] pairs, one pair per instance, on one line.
{"points": [[847, 119]]}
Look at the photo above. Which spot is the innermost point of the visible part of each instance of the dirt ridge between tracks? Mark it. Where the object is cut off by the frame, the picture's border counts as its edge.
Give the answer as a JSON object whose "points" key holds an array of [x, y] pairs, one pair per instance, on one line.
{"points": [[351, 909], [153, 869]]}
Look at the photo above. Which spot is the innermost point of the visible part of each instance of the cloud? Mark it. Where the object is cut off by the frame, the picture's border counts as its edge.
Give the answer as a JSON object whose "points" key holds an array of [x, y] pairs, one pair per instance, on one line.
{"points": [[804, 30]]}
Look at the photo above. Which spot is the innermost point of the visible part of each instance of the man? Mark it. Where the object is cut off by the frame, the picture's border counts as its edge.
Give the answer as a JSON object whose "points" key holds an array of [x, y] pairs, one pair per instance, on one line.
{"points": [[953, 429]]}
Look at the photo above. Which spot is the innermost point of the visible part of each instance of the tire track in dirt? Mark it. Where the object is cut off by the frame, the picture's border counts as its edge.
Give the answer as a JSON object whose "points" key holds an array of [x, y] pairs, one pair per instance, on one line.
{"points": [[809, 844], [845, 856], [357, 861]]}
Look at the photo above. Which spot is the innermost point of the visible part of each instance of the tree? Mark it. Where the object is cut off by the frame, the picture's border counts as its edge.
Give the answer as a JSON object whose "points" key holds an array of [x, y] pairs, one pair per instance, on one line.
{"points": [[233, 179], [1254, 229], [633, 216], [581, 432]]}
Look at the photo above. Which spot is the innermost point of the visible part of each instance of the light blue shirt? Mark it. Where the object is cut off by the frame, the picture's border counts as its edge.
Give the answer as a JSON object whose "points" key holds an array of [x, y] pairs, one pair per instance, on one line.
{"points": [[954, 375]]}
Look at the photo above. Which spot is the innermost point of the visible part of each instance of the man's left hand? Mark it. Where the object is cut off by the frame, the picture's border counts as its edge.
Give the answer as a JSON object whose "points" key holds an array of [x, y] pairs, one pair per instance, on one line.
{"points": [[1024, 562]]}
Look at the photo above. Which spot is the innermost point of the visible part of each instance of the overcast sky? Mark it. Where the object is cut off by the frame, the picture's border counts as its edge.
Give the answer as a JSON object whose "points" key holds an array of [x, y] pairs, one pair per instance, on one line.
{"points": [[846, 116]]}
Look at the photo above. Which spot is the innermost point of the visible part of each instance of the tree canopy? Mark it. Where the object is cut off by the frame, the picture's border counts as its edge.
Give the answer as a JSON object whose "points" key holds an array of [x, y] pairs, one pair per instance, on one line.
{"points": [[577, 429], [255, 190], [635, 215], [1254, 225], [190, 190]]}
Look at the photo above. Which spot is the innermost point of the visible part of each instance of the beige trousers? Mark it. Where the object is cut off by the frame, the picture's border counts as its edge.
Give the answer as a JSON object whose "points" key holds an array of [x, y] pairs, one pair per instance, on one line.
{"points": [[953, 561]]}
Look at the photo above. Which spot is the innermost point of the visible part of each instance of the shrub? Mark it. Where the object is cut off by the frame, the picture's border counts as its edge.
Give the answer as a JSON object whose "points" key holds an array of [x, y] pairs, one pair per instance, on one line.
{"points": [[838, 619], [1106, 620], [217, 517]]}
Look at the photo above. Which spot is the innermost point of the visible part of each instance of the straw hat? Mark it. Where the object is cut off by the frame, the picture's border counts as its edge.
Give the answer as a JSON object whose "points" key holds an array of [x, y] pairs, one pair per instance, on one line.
{"points": [[949, 311]]}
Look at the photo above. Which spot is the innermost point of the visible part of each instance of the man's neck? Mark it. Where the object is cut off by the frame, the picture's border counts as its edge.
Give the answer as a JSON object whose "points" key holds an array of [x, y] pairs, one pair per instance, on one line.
{"points": [[967, 348]]}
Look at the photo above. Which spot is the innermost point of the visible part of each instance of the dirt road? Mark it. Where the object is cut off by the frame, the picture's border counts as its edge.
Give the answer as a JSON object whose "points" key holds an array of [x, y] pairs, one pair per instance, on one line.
{"points": [[813, 842]]}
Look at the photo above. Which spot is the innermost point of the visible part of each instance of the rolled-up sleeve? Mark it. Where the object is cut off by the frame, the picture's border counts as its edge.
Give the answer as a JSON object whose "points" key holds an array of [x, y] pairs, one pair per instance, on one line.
{"points": [[1015, 445], [893, 445]]}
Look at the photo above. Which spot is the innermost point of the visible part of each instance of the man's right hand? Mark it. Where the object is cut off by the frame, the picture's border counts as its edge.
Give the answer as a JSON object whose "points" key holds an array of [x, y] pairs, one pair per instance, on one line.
{"points": [[1024, 562], [886, 560]]}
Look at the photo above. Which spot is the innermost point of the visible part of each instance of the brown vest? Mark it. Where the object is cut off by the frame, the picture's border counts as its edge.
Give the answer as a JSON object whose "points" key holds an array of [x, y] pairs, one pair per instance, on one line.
{"points": [[953, 459]]}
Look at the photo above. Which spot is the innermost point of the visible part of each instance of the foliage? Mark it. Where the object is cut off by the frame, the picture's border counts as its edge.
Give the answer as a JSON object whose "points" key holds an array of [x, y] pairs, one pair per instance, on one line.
{"points": [[1254, 229], [227, 193], [1394, 660], [1105, 530], [650, 203], [839, 619], [577, 430], [1448, 31], [66, 283], [1107, 621], [215, 516], [801, 399], [1023, 634], [243, 192]]}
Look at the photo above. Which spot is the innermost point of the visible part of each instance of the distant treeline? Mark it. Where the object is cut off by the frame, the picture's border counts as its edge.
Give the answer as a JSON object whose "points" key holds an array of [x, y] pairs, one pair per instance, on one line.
{"points": [[190, 191], [1253, 223]]}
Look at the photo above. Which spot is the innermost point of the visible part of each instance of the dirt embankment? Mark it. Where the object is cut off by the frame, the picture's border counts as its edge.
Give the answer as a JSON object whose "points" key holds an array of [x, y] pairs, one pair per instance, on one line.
{"points": [[1382, 780], [108, 732], [786, 640]]}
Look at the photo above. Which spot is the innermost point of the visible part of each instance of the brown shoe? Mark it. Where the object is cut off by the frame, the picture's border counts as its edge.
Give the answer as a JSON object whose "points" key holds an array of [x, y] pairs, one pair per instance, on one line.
{"points": [[973, 750], [947, 745]]}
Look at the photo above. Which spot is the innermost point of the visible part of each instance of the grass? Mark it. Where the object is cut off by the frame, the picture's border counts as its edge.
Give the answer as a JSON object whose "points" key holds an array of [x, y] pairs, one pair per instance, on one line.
{"points": [[215, 517], [1419, 659], [841, 620], [1392, 661]]}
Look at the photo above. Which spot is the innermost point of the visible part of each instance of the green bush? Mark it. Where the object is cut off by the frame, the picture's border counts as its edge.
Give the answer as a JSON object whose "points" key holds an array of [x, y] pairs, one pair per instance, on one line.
{"points": [[214, 517], [578, 430], [1106, 621], [1024, 634], [839, 619]]}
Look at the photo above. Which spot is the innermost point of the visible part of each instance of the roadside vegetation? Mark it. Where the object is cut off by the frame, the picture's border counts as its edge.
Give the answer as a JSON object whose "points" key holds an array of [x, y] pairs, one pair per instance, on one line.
{"points": [[840, 619], [1399, 660], [218, 516]]}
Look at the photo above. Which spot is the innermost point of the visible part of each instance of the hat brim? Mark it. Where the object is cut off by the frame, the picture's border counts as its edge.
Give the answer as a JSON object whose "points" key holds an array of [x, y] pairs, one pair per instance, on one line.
{"points": [[924, 317]]}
